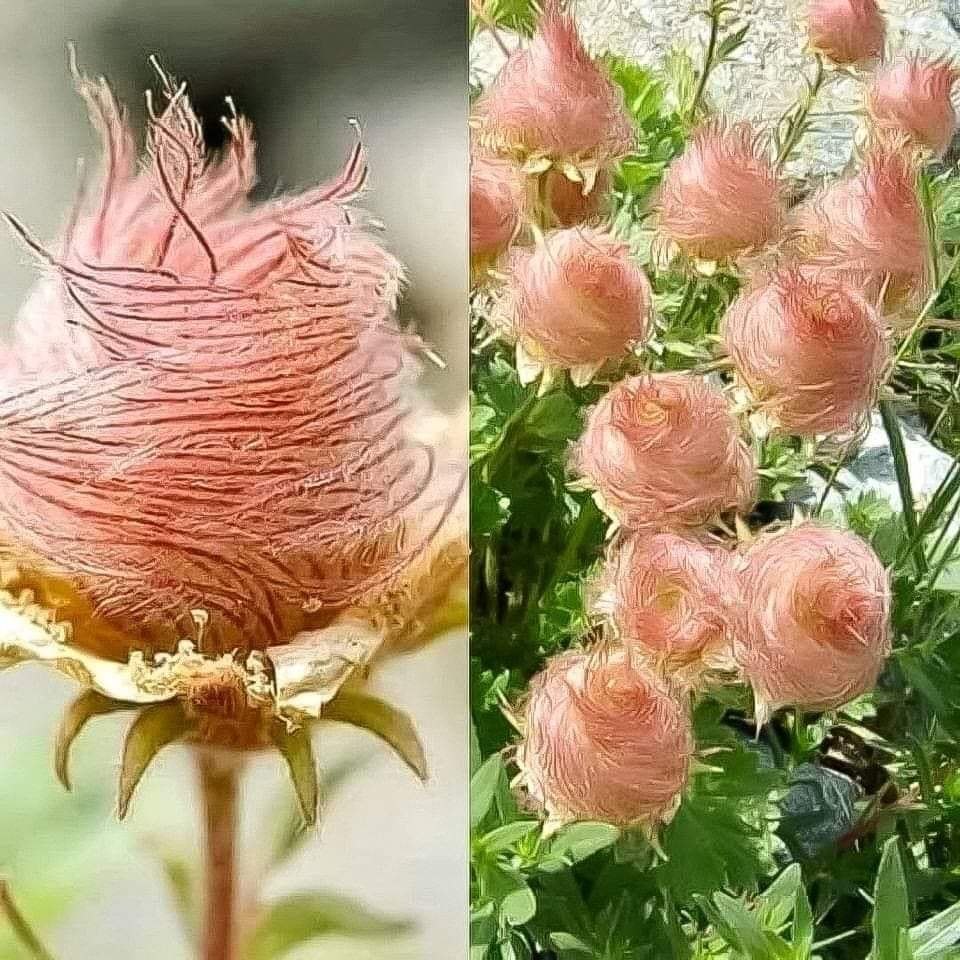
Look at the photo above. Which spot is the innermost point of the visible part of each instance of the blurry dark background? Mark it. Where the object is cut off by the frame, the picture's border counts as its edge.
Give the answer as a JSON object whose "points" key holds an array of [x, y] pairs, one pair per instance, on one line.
{"points": [[298, 69]]}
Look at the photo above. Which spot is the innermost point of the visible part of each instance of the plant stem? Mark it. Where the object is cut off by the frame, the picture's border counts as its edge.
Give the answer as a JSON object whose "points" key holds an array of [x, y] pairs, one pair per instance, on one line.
{"points": [[798, 127], [21, 928], [707, 63], [219, 780]]}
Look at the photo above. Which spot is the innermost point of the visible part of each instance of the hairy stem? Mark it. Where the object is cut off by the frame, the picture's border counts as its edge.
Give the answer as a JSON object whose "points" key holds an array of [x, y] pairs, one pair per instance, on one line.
{"points": [[798, 124], [219, 779]]}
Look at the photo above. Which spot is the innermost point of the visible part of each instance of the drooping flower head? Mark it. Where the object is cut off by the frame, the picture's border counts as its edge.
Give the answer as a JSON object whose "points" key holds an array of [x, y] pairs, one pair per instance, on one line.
{"points": [[664, 451], [577, 300], [496, 205], [816, 619], [847, 31], [721, 197], [869, 224], [552, 100], [672, 598], [604, 741], [912, 96], [203, 402], [811, 349], [574, 202]]}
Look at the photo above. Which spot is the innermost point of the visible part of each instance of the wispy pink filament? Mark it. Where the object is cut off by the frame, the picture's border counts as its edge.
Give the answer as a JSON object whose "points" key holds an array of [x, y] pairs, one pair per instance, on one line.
{"points": [[664, 451], [496, 204], [811, 349], [846, 31], [207, 412], [816, 618], [604, 741]]}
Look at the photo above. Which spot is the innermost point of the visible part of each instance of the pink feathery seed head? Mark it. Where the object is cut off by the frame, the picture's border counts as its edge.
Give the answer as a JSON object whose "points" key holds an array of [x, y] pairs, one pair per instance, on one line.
{"points": [[869, 223], [579, 297], [496, 204], [672, 600], [551, 98], [213, 416], [569, 205], [912, 96], [811, 349], [604, 740], [721, 197], [847, 31], [816, 619], [664, 451]]}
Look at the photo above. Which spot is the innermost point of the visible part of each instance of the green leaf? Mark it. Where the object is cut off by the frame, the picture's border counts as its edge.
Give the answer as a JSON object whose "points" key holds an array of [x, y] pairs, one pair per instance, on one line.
{"points": [[731, 43], [391, 725], [181, 881], [553, 418], [502, 838], [779, 899], [568, 943], [578, 841], [802, 933], [936, 933], [891, 912], [296, 748], [88, 705], [303, 917], [153, 729], [483, 788]]}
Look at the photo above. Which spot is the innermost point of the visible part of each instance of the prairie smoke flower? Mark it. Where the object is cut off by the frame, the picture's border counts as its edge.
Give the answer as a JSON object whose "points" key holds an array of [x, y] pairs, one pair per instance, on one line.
{"points": [[671, 599], [552, 101], [569, 205], [721, 197], [816, 619], [868, 225], [810, 348], [203, 433], [847, 31], [576, 301], [911, 96], [604, 740], [496, 205], [664, 451]]}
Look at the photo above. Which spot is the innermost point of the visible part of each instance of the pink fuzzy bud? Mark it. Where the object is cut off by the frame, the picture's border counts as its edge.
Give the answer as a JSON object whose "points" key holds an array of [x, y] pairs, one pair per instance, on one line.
{"points": [[604, 741], [496, 205], [211, 415], [672, 600], [664, 451], [816, 619], [579, 298], [810, 348], [722, 196], [870, 223], [552, 99], [912, 96], [846, 31]]}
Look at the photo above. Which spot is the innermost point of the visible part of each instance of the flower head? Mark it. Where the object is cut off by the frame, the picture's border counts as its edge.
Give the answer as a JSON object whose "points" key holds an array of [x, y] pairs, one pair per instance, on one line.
{"points": [[911, 96], [578, 299], [496, 205], [664, 451], [847, 31], [672, 598], [552, 100], [569, 204], [810, 347], [722, 197], [816, 619], [604, 741]]}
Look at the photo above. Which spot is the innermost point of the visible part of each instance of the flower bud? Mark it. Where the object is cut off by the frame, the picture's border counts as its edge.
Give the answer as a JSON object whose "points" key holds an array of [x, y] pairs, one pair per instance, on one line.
{"points": [[722, 196], [496, 205], [604, 741], [810, 348], [816, 619], [664, 451], [551, 99], [578, 299], [672, 598], [847, 31], [911, 96]]}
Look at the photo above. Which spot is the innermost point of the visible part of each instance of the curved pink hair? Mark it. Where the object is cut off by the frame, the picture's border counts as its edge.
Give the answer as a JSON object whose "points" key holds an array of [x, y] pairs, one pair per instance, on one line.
{"points": [[846, 31], [604, 741], [496, 204], [579, 297], [816, 619], [665, 452], [550, 97], [810, 347], [721, 197], [211, 413]]}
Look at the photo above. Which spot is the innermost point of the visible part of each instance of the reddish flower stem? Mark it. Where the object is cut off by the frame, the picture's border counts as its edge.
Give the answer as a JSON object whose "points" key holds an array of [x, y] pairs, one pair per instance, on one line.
{"points": [[219, 780]]}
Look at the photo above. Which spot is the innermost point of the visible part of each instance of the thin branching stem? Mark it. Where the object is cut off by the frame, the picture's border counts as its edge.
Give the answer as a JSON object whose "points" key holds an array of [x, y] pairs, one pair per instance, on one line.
{"points": [[708, 63], [21, 928], [798, 126]]}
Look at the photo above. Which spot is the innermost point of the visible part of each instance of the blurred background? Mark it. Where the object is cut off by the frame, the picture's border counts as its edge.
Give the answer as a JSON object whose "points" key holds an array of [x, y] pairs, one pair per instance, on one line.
{"points": [[298, 69]]}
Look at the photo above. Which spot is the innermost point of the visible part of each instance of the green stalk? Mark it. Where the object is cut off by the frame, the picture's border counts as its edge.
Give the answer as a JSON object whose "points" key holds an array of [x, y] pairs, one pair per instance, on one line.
{"points": [[798, 127], [708, 64], [21, 928]]}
